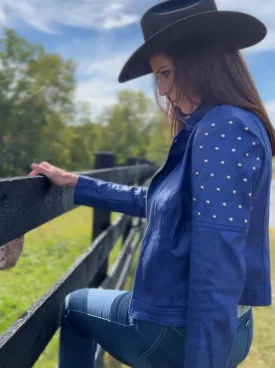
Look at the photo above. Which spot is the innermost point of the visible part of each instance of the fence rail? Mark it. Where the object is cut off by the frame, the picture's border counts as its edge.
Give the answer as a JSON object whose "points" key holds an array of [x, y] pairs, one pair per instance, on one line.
{"points": [[30, 202]]}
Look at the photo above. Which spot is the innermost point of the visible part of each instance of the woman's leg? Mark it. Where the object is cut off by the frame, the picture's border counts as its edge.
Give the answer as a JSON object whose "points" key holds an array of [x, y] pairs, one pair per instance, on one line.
{"points": [[92, 316]]}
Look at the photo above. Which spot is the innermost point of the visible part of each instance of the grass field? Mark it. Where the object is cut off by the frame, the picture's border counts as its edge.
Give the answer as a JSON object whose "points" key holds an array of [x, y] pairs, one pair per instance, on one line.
{"points": [[53, 247]]}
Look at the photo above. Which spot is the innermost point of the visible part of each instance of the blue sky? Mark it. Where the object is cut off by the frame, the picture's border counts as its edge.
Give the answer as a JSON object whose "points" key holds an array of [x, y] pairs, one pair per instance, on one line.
{"points": [[99, 35]]}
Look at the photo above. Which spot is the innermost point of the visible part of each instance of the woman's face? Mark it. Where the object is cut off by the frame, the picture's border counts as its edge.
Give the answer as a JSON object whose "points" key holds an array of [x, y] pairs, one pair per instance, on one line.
{"points": [[163, 68]]}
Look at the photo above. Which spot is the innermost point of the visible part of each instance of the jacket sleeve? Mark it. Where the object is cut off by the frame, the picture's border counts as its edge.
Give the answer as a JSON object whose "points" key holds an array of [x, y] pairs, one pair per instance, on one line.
{"points": [[110, 196], [226, 157]]}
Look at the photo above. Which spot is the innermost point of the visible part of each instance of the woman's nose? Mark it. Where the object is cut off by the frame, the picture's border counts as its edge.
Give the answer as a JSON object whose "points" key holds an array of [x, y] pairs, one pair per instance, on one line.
{"points": [[162, 90]]}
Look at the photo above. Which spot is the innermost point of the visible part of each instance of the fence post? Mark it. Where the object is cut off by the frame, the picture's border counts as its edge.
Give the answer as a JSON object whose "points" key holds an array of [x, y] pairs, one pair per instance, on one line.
{"points": [[101, 219], [131, 161]]}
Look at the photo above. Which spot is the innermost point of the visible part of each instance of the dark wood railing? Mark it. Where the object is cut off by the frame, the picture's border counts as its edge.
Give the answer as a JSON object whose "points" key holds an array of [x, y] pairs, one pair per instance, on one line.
{"points": [[28, 202]]}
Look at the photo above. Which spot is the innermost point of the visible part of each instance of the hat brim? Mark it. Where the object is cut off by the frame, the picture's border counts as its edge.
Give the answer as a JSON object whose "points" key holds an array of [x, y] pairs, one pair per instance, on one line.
{"points": [[243, 29]]}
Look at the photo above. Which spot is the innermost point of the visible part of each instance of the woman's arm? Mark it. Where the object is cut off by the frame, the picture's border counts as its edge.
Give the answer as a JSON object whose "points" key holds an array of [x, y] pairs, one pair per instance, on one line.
{"points": [[97, 193], [110, 196], [226, 159]]}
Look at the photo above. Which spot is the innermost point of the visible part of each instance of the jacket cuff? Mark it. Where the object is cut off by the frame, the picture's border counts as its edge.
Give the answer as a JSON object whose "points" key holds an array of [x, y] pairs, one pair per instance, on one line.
{"points": [[80, 192]]}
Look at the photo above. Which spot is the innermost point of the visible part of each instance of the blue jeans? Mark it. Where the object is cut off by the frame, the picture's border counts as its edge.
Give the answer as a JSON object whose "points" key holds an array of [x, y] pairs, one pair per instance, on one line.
{"points": [[92, 316]]}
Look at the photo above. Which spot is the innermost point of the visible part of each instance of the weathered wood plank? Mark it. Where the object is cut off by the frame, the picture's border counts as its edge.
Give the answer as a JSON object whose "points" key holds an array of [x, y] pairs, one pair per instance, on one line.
{"points": [[113, 276], [28, 202], [22, 343], [128, 262], [119, 273], [101, 219]]}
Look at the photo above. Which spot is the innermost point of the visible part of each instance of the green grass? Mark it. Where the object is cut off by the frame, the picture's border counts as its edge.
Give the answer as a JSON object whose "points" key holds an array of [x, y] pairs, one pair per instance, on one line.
{"points": [[262, 353], [49, 251]]}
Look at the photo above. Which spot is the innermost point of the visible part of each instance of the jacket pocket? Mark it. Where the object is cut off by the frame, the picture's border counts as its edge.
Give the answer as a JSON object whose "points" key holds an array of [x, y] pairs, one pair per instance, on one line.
{"points": [[165, 345]]}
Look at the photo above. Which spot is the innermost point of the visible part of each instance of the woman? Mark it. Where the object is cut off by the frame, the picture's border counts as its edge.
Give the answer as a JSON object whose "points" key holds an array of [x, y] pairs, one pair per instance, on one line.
{"points": [[204, 260]]}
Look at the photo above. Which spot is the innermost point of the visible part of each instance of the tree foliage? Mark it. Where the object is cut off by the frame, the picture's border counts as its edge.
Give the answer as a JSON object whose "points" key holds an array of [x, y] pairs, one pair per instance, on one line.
{"points": [[41, 121]]}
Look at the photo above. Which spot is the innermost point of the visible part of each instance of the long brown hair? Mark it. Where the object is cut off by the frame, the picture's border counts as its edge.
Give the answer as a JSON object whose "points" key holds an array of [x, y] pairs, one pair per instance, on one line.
{"points": [[215, 70]]}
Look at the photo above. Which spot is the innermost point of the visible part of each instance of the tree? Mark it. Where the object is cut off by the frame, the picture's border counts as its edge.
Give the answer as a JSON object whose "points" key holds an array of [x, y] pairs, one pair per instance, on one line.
{"points": [[36, 102], [160, 139], [127, 125]]}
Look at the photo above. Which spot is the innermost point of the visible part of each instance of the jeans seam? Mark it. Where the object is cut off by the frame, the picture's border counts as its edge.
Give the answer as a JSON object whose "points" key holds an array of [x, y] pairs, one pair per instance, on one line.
{"points": [[154, 346], [179, 333], [104, 319], [248, 338]]}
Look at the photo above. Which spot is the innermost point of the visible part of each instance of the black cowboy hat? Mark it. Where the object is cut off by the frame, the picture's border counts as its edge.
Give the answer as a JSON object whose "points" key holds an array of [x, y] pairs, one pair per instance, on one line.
{"points": [[177, 20]]}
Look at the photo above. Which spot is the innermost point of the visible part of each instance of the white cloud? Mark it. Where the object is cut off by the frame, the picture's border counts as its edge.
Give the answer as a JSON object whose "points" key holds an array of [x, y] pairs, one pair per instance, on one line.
{"points": [[101, 73], [100, 91], [109, 66], [48, 16], [265, 11]]}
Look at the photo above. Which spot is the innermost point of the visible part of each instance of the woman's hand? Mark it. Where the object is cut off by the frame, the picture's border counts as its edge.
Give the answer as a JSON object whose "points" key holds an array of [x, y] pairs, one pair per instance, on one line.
{"points": [[56, 175]]}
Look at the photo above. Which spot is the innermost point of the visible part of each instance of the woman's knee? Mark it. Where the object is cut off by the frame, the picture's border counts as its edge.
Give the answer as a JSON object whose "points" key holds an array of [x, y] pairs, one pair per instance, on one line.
{"points": [[76, 301]]}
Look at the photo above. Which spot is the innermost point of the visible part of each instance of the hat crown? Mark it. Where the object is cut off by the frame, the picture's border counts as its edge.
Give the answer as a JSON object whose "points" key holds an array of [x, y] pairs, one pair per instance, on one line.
{"points": [[168, 12]]}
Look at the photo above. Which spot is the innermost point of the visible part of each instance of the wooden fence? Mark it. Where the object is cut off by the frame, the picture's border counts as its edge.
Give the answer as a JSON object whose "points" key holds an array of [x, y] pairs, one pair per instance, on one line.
{"points": [[28, 202]]}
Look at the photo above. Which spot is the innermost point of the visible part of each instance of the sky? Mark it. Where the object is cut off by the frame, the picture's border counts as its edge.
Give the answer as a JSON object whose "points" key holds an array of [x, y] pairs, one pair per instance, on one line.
{"points": [[99, 35]]}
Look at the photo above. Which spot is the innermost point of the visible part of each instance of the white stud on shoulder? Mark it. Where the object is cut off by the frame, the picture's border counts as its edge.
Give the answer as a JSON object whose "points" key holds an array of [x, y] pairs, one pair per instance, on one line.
{"points": [[230, 122], [231, 219]]}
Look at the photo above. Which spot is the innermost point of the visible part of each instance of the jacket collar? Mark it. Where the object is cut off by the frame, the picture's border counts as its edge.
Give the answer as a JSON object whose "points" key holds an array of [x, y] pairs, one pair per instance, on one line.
{"points": [[192, 119]]}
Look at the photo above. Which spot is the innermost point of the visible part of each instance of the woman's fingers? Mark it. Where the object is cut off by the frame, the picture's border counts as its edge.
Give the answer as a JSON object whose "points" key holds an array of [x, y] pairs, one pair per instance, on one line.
{"points": [[42, 169]]}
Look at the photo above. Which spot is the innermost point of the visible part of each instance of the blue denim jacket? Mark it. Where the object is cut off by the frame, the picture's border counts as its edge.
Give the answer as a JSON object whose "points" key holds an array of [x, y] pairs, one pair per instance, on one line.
{"points": [[206, 246]]}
